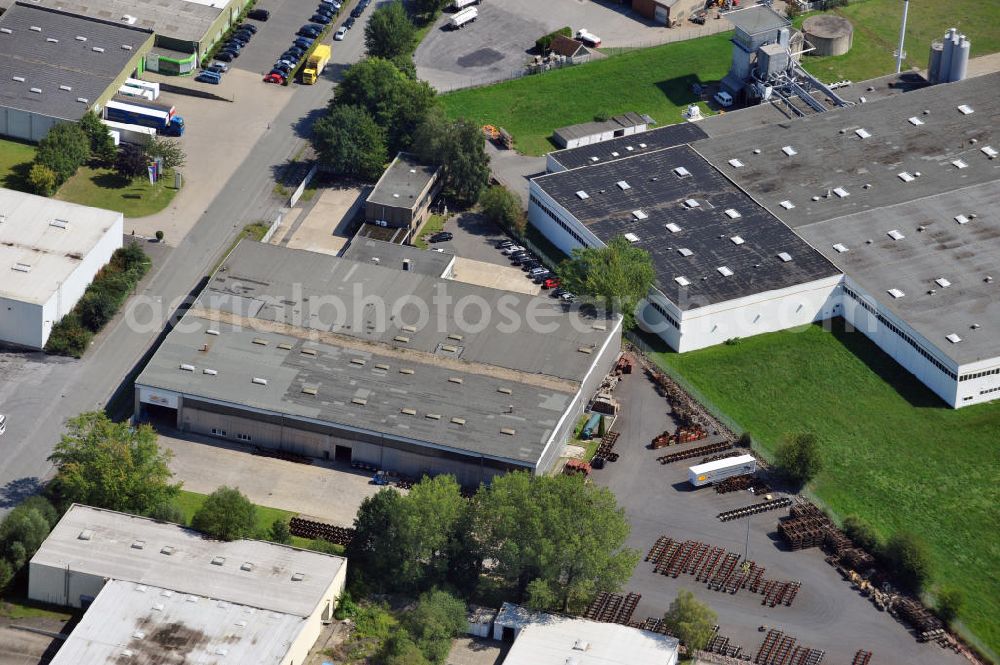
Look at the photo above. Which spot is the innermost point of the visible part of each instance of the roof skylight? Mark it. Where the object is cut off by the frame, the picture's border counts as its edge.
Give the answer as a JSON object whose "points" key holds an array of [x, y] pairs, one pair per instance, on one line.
{"points": [[683, 281], [789, 150], [673, 228], [724, 271]]}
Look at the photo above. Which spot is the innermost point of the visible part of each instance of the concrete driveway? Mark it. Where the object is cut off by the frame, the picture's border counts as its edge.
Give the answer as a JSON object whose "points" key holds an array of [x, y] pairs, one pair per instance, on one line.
{"points": [[328, 491], [827, 614]]}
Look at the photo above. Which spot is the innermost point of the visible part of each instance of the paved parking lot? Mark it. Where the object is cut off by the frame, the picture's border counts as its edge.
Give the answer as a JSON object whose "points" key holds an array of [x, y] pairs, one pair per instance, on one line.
{"points": [[326, 490], [474, 238], [275, 35], [827, 614]]}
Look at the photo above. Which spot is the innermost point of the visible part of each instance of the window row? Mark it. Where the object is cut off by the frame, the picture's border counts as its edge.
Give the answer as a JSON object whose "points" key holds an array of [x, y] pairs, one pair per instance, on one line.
{"points": [[671, 320], [555, 218], [988, 372]]}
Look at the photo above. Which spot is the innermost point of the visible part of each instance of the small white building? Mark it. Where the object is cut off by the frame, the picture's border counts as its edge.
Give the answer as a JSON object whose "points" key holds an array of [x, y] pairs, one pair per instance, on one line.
{"points": [[154, 586], [545, 639], [49, 253]]}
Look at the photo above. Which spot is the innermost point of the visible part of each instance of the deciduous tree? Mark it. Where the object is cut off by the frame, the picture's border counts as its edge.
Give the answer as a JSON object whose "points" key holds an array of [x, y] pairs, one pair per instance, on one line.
{"points": [[63, 150], [226, 515], [906, 556], [280, 533], [349, 142], [102, 146], [618, 275], [111, 465], [436, 618], [43, 180], [131, 161], [798, 457], [167, 150], [690, 621], [389, 32], [458, 146]]}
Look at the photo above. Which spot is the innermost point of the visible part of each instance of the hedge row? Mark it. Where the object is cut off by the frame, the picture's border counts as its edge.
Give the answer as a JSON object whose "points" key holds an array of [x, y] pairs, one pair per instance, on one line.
{"points": [[100, 302]]}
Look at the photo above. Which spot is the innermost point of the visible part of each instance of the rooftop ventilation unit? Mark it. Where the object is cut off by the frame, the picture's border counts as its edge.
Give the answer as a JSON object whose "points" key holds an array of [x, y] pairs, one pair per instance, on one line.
{"points": [[298, 577], [642, 145], [458, 421], [408, 411], [83, 100], [357, 361], [19, 79], [7, 31], [631, 237], [965, 109], [989, 151], [724, 271], [639, 214], [456, 337], [59, 223], [895, 235], [942, 282], [684, 251], [139, 544], [961, 219], [408, 328], [405, 370], [509, 431], [285, 346], [959, 163], [218, 561], [733, 213], [186, 367], [673, 228], [681, 172], [310, 390], [505, 391], [789, 150], [785, 256], [841, 192], [67, 88], [21, 267], [308, 352], [594, 159], [622, 185], [915, 121], [402, 339], [37, 91], [737, 240], [953, 338], [167, 549], [360, 401], [210, 372], [97, 49], [905, 176], [381, 366], [86, 534], [128, 18], [787, 205], [691, 203], [614, 153], [841, 248], [80, 38], [211, 331], [259, 381], [126, 47], [35, 28], [260, 341], [52, 40], [433, 416], [683, 281], [735, 163], [629, 148], [895, 293], [862, 133], [582, 195], [455, 379]]}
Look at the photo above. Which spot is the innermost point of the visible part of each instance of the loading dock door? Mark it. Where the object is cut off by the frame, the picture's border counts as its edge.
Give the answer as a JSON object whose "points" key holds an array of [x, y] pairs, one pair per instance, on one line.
{"points": [[660, 14], [342, 454]]}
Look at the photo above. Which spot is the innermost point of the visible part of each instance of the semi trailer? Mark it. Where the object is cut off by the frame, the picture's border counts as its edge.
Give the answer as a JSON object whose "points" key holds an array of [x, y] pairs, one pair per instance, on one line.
{"points": [[720, 469], [130, 133], [160, 117], [462, 18], [152, 86]]}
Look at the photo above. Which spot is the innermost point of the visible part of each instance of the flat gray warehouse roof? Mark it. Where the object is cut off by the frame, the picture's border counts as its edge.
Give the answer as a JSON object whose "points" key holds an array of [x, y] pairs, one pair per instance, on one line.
{"points": [[49, 70], [185, 20], [693, 221], [667, 136], [868, 156], [137, 623], [498, 391], [392, 255], [139, 549], [934, 246], [402, 182]]}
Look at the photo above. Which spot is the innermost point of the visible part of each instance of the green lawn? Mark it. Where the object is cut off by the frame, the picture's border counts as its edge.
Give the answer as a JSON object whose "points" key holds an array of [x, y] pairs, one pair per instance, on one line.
{"points": [[434, 224], [894, 454], [656, 81], [876, 35], [103, 188], [15, 162]]}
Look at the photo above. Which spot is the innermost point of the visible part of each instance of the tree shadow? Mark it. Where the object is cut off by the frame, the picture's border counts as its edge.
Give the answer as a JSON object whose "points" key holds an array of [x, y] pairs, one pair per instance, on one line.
{"points": [[110, 180], [680, 90], [18, 490], [18, 177], [303, 126]]}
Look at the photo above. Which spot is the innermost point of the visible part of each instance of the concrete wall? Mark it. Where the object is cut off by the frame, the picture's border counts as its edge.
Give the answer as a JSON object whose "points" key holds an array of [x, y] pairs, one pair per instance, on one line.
{"points": [[298, 650], [25, 125], [63, 587]]}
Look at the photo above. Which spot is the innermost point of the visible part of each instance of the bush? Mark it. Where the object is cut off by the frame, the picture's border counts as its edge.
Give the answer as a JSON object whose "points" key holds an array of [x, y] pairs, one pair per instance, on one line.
{"points": [[280, 533], [131, 162], [745, 440], [861, 534], [44, 508], [949, 603], [96, 308], [503, 208], [325, 547], [6, 574], [64, 149], [102, 146], [798, 457], [167, 512], [436, 618], [544, 43], [68, 337], [21, 534], [159, 236], [43, 180], [691, 621], [905, 555], [226, 515]]}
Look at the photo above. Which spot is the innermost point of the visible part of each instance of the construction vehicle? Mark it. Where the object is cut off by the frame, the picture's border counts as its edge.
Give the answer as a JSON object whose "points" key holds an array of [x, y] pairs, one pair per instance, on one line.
{"points": [[713, 472], [314, 66]]}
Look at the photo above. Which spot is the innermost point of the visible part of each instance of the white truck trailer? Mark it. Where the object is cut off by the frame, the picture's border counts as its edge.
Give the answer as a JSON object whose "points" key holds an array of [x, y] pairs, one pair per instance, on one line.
{"points": [[459, 5], [460, 19], [129, 133], [152, 86], [132, 91], [720, 469]]}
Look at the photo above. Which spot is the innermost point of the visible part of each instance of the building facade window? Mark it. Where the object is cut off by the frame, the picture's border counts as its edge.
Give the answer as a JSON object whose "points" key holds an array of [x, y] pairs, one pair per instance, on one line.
{"points": [[555, 218], [663, 312]]}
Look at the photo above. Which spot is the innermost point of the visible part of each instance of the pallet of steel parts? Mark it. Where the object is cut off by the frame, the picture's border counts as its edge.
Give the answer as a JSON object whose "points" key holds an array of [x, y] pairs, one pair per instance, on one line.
{"points": [[305, 528], [862, 657], [754, 509], [858, 559], [925, 623], [695, 452]]}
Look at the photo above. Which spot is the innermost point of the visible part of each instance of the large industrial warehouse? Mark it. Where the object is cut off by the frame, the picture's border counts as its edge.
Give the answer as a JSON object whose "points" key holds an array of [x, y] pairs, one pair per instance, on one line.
{"points": [[154, 591], [55, 66], [49, 253], [881, 212], [365, 363]]}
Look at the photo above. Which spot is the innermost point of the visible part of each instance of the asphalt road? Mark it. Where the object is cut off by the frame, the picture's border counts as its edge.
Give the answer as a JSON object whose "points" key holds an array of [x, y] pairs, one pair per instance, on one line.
{"points": [[39, 393]]}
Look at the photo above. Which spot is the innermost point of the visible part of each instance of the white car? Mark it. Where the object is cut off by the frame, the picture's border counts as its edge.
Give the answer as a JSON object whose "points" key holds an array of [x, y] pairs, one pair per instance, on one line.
{"points": [[723, 98], [512, 250], [340, 34], [331, 3], [3, 423]]}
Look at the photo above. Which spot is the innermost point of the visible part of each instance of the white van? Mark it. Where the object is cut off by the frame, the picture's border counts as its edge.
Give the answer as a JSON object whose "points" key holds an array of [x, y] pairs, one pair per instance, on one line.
{"points": [[723, 98]]}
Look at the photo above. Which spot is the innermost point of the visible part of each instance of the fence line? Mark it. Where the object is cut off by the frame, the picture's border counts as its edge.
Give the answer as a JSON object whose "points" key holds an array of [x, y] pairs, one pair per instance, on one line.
{"points": [[302, 186], [275, 224]]}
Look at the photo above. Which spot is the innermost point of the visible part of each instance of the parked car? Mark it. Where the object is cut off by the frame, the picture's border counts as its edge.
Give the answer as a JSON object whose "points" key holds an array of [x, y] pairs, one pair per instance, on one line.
{"points": [[340, 34], [322, 19], [512, 250], [250, 27], [528, 266], [310, 30], [218, 66], [723, 98], [551, 283], [567, 297], [283, 67], [357, 11], [294, 56], [349, 23], [557, 292], [500, 244], [209, 77], [443, 236], [326, 9], [331, 3], [224, 56], [233, 53], [274, 77], [259, 14], [303, 42]]}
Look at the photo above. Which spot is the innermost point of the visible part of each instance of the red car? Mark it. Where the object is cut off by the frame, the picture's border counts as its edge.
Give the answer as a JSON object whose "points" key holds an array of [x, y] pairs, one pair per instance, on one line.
{"points": [[274, 77], [551, 283]]}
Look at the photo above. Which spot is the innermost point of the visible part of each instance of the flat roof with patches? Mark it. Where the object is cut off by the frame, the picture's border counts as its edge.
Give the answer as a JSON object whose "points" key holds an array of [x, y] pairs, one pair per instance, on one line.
{"points": [[667, 136], [137, 624], [392, 255], [693, 221], [402, 182]]}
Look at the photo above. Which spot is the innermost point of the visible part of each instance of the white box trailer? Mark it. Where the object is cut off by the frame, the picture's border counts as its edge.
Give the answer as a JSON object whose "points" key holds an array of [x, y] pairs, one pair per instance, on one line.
{"points": [[467, 15], [152, 86], [131, 91], [129, 133], [720, 469], [459, 5]]}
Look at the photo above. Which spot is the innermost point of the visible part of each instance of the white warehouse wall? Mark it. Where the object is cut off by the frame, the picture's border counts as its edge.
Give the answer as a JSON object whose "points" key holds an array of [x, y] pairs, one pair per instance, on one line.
{"points": [[65, 587], [982, 384], [22, 323]]}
